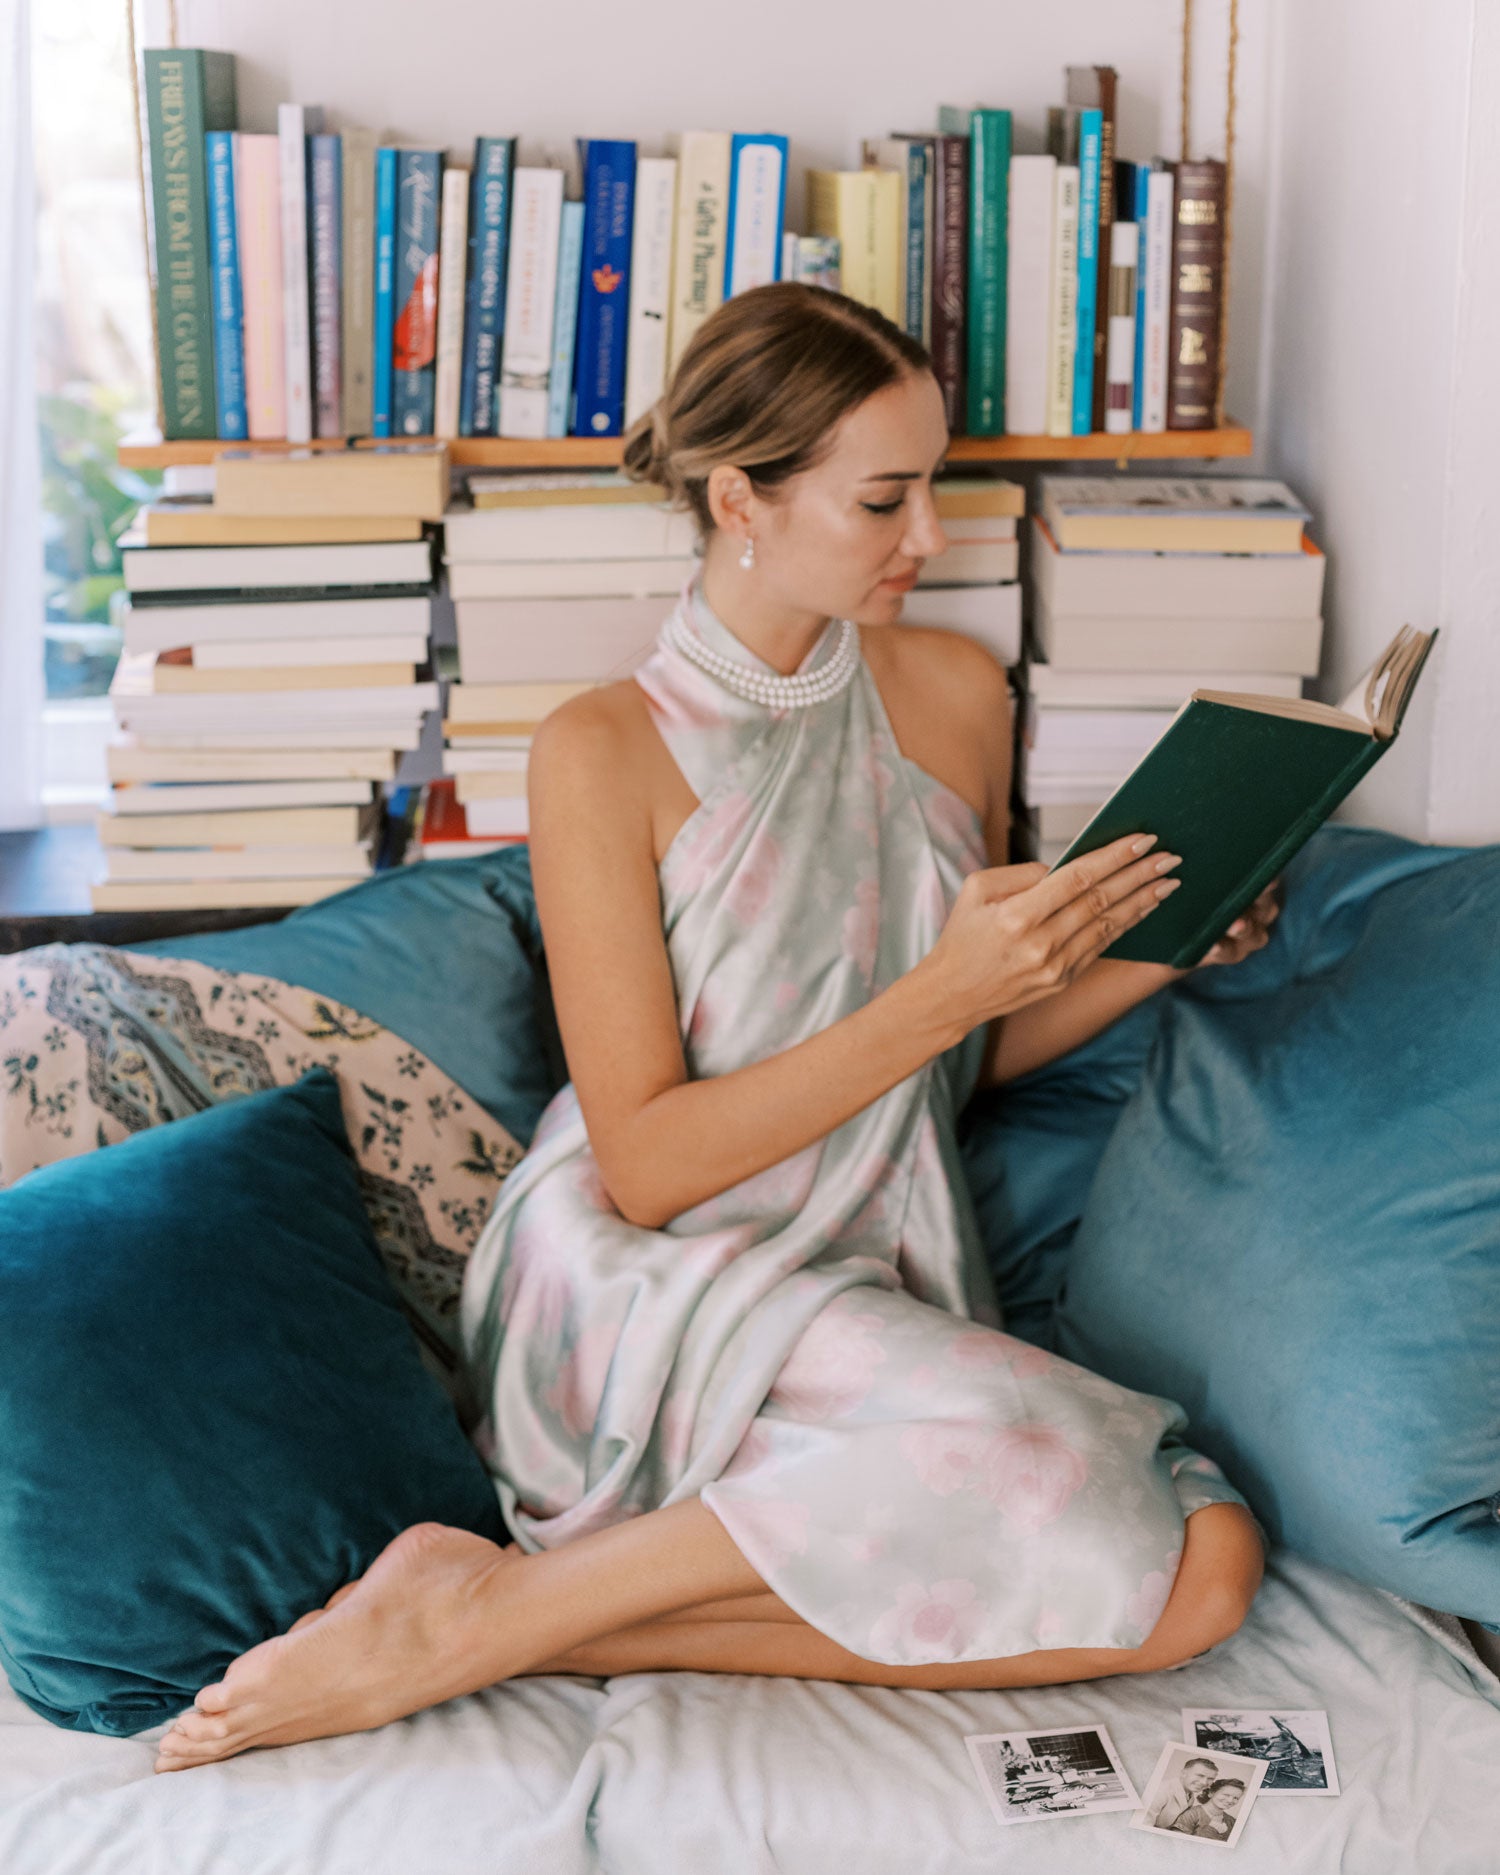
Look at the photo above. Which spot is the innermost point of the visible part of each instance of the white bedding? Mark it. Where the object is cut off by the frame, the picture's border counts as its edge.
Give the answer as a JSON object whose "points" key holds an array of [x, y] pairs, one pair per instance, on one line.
{"points": [[659, 1773]]}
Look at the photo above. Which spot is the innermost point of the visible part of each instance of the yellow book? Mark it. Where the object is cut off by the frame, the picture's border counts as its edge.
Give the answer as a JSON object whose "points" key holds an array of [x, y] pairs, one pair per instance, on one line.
{"points": [[862, 208], [174, 678], [487, 703], [211, 894], [402, 479], [496, 786], [269, 826], [201, 524], [964, 497], [547, 488]]}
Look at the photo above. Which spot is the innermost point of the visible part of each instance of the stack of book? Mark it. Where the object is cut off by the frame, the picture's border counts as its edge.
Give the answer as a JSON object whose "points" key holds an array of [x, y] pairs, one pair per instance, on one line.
{"points": [[270, 677], [312, 283], [1143, 590]]}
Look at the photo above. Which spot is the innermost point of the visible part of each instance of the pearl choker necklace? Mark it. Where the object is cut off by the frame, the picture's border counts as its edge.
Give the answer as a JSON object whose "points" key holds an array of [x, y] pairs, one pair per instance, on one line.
{"points": [[797, 692]]}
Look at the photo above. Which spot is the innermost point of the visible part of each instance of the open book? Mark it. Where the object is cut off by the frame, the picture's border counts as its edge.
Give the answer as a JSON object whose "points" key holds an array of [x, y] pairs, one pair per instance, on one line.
{"points": [[1236, 784]]}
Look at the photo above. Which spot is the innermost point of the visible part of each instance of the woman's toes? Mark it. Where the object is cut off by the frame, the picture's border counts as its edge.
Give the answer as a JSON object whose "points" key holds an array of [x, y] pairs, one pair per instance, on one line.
{"points": [[199, 1728], [215, 1698]]}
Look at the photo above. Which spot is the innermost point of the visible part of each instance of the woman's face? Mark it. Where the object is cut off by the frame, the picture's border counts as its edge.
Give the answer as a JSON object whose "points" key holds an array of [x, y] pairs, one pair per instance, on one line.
{"points": [[847, 538], [1226, 1801]]}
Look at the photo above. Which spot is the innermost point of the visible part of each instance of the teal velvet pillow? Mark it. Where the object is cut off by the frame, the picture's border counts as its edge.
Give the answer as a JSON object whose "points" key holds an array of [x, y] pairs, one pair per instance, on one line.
{"points": [[446, 954], [1294, 1230], [212, 1411]]}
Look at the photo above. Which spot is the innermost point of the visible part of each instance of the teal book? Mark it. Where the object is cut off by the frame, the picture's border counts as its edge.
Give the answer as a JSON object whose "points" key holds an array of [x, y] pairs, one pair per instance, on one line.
{"points": [[1236, 785], [188, 93], [989, 137]]}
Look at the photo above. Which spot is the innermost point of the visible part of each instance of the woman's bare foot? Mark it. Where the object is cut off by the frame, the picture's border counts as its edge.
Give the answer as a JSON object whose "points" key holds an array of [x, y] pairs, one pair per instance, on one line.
{"points": [[409, 1633]]}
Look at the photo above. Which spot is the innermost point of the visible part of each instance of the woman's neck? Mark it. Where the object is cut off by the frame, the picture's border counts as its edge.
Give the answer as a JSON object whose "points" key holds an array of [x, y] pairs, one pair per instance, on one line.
{"points": [[782, 635]]}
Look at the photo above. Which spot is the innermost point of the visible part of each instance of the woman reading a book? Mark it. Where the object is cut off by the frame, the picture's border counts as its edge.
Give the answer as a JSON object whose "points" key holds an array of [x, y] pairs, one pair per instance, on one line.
{"points": [[730, 1329]]}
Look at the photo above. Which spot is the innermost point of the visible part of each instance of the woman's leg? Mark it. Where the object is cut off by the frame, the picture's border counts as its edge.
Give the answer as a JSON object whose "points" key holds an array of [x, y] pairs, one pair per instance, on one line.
{"points": [[442, 1612]]}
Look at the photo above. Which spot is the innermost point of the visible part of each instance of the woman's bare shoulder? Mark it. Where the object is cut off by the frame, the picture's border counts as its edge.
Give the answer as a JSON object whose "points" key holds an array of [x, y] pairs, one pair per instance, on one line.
{"points": [[946, 666]]}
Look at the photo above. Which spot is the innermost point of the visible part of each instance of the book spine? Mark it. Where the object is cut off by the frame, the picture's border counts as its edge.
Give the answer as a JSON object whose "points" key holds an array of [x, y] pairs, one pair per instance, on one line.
{"points": [[609, 200], [357, 267], [531, 302], [176, 127], [325, 198], [565, 323], [650, 284], [1030, 216], [886, 200], [1196, 305], [452, 252], [702, 215], [257, 178], [756, 213], [1158, 290], [949, 270], [228, 305], [414, 334], [1096, 87], [1090, 133], [1140, 202], [989, 182], [919, 242], [291, 129], [385, 291], [1119, 358], [484, 314], [1063, 314]]}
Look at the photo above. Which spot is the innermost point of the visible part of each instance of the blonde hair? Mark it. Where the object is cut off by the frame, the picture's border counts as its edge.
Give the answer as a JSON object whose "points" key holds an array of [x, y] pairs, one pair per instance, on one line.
{"points": [[761, 385]]}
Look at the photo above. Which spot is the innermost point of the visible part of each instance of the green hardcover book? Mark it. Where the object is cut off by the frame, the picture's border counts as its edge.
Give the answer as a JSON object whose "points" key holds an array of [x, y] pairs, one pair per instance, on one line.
{"points": [[1236, 785], [988, 132], [188, 92]]}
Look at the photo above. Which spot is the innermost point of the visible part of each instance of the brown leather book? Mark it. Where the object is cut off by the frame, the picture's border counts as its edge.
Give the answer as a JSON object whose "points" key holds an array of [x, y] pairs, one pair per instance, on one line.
{"points": [[1197, 294], [1092, 88], [950, 258]]}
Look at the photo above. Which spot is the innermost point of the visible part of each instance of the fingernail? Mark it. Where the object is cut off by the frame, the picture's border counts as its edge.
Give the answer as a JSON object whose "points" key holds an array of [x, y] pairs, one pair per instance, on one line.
{"points": [[1167, 888], [1168, 861], [1144, 844], [1236, 928]]}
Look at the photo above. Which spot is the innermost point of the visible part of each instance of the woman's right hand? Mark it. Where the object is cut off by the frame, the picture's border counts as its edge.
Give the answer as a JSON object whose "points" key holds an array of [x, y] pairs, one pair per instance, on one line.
{"points": [[1019, 933]]}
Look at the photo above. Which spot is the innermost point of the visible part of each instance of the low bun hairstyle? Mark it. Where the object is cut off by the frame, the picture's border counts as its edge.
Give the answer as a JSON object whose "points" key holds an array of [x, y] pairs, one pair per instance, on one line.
{"points": [[761, 385]]}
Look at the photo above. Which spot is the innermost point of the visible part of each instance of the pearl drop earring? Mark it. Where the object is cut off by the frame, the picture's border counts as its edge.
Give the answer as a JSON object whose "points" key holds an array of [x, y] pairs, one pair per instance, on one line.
{"points": [[747, 558]]}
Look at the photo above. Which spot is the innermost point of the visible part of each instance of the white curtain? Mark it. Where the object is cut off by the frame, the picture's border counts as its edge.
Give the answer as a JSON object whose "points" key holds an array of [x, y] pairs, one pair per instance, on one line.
{"points": [[21, 687]]}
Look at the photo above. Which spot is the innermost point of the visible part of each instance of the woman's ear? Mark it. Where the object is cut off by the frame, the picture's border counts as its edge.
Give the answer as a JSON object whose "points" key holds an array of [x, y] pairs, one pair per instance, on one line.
{"points": [[729, 499]]}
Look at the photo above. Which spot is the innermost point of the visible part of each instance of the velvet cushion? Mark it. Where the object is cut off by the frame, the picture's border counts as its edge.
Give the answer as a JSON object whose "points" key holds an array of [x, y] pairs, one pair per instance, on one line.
{"points": [[1294, 1229], [447, 954], [212, 1411]]}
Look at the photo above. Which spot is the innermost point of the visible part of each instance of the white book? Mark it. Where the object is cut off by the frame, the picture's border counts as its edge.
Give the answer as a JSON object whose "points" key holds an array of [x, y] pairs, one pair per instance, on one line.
{"points": [[299, 653], [1054, 730], [965, 529], [236, 826], [1064, 820], [753, 238], [292, 743], [295, 123], [1062, 337], [574, 641], [493, 820], [496, 761], [537, 579], [165, 627], [530, 300], [969, 565], [129, 761], [453, 248], [1137, 689], [571, 531], [992, 614], [698, 246], [210, 894], [1158, 264], [231, 569], [490, 785], [650, 283], [1079, 789], [237, 862], [149, 802], [1033, 210], [135, 701]]}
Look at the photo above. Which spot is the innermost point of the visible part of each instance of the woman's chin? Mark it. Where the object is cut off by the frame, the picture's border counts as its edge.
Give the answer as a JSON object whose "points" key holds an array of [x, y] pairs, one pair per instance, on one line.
{"points": [[882, 606]]}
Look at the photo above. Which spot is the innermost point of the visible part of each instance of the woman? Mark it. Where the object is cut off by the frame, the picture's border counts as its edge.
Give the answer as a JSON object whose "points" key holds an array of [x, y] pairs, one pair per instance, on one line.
{"points": [[730, 1324], [1214, 1814]]}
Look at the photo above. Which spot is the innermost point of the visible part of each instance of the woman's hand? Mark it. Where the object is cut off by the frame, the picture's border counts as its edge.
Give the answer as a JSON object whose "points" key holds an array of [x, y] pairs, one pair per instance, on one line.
{"points": [[1251, 931], [1019, 933]]}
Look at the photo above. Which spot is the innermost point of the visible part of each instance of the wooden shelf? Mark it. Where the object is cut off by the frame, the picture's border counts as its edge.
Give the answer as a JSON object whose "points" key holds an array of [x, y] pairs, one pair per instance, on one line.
{"points": [[147, 451]]}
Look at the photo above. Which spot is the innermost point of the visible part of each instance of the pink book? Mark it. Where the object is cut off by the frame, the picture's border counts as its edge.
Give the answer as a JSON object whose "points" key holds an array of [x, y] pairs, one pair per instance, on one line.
{"points": [[257, 186]]}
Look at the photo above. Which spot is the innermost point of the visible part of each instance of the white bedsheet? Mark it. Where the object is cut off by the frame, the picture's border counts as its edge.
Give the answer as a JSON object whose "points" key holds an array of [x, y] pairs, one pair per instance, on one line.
{"points": [[659, 1773]]}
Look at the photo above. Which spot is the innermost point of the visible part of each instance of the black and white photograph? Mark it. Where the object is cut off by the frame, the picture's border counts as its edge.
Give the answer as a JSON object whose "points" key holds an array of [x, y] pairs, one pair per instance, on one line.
{"points": [[1295, 1745], [1030, 1776], [1202, 1796]]}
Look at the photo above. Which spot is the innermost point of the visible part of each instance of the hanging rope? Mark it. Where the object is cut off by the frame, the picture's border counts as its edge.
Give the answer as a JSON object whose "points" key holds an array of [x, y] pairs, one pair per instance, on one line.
{"points": [[140, 171]]}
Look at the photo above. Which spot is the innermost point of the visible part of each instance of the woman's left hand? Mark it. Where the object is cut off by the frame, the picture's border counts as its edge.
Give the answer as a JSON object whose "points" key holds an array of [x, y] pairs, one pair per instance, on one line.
{"points": [[1251, 931]]}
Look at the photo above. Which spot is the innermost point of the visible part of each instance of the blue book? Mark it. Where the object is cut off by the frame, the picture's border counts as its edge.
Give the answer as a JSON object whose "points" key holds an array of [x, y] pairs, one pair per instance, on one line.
{"points": [[1142, 196], [1090, 142], [385, 281], [918, 158], [484, 305], [756, 213], [565, 320], [224, 280], [419, 182], [325, 242], [604, 294]]}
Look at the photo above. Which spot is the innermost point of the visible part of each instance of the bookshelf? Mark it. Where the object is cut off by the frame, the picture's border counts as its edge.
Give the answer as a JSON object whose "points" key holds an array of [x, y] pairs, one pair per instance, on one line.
{"points": [[148, 451]]}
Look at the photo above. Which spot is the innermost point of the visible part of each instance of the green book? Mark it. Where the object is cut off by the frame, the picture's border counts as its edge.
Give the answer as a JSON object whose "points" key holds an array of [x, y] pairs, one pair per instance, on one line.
{"points": [[988, 132], [188, 92], [1236, 785]]}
